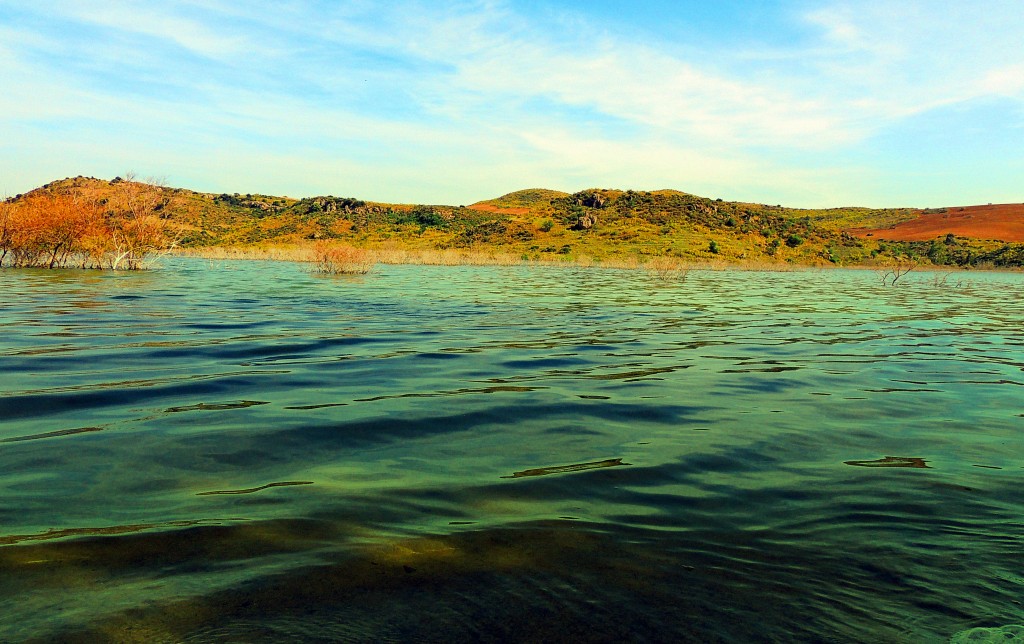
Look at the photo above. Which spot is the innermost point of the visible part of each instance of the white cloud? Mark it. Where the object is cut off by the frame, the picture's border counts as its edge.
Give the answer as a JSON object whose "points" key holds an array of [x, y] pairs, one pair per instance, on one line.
{"points": [[1004, 81], [501, 63], [408, 96], [911, 57], [158, 22]]}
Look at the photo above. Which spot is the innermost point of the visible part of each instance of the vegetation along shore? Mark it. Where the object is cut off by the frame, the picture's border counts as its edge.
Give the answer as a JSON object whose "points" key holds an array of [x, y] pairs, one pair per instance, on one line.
{"points": [[119, 224]]}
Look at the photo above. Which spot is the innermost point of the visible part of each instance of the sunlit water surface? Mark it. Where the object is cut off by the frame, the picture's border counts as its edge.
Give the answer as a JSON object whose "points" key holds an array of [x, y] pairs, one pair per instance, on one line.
{"points": [[247, 451]]}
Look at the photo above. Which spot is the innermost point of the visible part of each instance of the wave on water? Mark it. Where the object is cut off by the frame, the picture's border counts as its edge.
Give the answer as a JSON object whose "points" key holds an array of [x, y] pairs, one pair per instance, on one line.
{"points": [[509, 453]]}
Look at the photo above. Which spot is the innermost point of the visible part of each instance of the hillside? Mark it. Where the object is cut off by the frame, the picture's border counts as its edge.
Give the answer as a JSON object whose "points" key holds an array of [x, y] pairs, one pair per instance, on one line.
{"points": [[595, 224], [1002, 222]]}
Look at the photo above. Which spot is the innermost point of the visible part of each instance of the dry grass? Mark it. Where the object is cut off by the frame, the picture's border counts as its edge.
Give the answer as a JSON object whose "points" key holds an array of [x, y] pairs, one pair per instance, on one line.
{"points": [[667, 268], [288, 253], [342, 259], [446, 257]]}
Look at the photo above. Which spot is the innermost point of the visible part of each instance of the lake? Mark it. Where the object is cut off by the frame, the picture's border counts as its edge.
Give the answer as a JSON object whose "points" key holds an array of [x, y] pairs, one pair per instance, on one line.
{"points": [[246, 451]]}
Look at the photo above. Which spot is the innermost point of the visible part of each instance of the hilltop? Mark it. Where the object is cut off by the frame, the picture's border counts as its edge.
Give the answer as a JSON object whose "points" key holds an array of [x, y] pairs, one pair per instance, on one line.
{"points": [[596, 224]]}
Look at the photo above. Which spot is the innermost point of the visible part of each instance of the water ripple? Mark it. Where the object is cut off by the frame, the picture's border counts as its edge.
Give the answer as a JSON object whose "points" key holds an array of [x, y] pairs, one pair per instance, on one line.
{"points": [[468, 430]]}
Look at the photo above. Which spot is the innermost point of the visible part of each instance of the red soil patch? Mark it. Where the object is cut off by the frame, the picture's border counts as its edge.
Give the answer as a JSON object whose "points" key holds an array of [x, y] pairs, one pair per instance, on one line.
{"points": [[1004, 222], [486, 207]]}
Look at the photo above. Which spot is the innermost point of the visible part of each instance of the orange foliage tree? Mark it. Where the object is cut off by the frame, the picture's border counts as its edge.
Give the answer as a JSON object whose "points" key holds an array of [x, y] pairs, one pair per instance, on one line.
{"points": [[136, 227], [56, 229]]}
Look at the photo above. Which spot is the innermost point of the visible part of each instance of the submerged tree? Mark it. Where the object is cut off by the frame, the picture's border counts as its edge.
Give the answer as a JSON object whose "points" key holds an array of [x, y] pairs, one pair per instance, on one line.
{"points": [[62, 227], [136, 222], [898, 267]]}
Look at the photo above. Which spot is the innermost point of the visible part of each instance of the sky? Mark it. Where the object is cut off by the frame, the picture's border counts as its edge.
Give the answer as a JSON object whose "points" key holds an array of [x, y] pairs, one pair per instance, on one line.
{"points": [[805, 104]]}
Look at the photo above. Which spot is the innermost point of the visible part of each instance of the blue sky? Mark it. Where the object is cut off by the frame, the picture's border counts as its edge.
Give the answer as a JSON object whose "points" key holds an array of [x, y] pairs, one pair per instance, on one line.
{"points": [[801, 103]]}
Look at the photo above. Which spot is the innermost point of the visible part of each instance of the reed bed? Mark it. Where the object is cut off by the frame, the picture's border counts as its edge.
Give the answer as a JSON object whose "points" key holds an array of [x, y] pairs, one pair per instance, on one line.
{"points": [[446, 257], [289, 253], [342, 259], [360, 260], [668, 269]]}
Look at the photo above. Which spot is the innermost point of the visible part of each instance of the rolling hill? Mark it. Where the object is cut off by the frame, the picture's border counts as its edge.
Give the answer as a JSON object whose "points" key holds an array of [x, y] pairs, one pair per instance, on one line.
{"points": [[596, 224], [1001, 222]]}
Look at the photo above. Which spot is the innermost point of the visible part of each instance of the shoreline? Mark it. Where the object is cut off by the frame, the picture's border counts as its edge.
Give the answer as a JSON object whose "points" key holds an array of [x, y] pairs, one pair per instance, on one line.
{"points": [[666, 265]]}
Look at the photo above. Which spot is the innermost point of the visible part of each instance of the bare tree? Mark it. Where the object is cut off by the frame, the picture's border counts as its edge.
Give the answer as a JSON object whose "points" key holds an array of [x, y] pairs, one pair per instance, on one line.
{"points": [[137, 223], [897, 268], [5, 230]]}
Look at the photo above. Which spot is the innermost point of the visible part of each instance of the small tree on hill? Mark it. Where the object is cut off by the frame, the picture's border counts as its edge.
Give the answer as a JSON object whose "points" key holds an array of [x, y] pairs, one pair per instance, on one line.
{"points": [[134, 222]]}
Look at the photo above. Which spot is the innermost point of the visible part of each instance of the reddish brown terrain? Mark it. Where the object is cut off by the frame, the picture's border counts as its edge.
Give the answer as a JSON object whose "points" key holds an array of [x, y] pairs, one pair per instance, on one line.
{"points": [[486, 207], [1004, 222]]}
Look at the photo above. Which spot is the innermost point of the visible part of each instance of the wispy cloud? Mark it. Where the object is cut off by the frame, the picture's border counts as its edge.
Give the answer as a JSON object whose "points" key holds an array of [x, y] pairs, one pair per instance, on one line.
{"points": [[457, 99], [143, 19]]}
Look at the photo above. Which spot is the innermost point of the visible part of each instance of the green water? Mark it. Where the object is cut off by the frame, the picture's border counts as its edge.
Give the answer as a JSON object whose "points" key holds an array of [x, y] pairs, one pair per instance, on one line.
{"points": [[246, 451]]}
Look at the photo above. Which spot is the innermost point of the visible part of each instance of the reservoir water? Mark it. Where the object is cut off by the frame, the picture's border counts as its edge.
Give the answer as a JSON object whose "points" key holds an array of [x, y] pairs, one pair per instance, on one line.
{"points": [[245, 451]]}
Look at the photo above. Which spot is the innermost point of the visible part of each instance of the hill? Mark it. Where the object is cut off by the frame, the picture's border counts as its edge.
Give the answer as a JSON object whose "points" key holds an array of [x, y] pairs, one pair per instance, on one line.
{"points": [[595, 224], [526, 199], [1002, 222]]}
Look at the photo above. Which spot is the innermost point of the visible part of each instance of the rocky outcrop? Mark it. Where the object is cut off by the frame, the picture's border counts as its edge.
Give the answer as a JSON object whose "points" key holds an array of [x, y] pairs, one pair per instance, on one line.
{"points": [[586, 221], [591, 199]]}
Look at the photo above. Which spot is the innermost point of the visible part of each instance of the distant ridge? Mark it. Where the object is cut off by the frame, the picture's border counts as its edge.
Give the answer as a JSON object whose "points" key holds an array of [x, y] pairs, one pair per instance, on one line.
{"points": [[593, 225]]}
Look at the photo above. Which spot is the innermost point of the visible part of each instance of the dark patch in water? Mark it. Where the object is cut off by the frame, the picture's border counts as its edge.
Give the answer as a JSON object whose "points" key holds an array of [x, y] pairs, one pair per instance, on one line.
{"points": [[256, 489], [41, 402], [989, 467], [632, 375], [94, 532], [241, 404], [545, 581], [562, 469], [458, 392], [892, 461], [307, 407], [437, 356], [60, 432], [765, 370], [952, 486]]}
